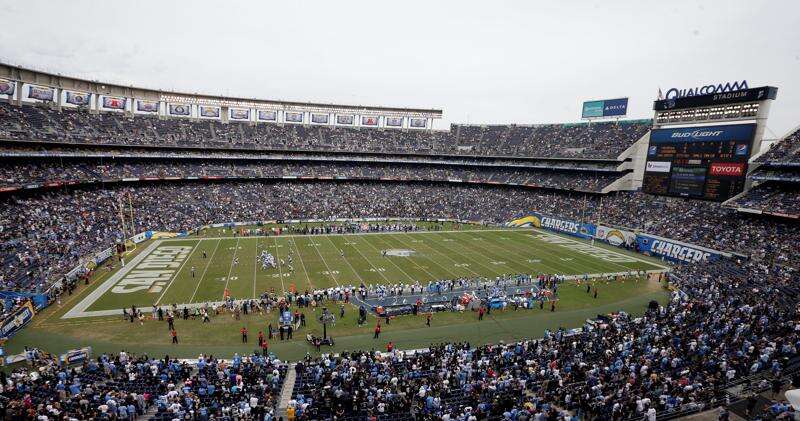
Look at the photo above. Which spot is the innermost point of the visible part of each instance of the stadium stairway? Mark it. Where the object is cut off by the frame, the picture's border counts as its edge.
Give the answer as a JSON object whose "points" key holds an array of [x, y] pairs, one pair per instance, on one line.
{"points": [[286, 392]]}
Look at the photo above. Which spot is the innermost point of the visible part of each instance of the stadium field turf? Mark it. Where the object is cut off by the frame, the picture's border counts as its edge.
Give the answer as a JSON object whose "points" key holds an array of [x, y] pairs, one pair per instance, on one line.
{"points": [[160, 271]]}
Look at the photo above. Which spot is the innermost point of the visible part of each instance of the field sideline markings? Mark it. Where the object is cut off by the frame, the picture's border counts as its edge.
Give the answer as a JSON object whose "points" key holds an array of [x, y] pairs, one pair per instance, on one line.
{"points": [[410, 278], [277, 263], [230, 268], [203, 275], [80, 309], [175, 276], [300, 258]]}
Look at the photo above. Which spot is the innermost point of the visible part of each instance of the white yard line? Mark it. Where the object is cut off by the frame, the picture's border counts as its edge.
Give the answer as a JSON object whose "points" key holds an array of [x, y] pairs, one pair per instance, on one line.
{"points": [[345, 260], [543, 250], [203, 275], [277, 263], [330, 272], [375, 268], [491, 269], [408, 258], [410, 278], [230, 269], [455, 275], [175, 276], [300, 257]]}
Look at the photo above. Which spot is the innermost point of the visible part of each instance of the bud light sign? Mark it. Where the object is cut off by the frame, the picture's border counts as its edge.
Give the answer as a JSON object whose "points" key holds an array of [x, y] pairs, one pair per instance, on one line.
{"points": [[605, 108]]}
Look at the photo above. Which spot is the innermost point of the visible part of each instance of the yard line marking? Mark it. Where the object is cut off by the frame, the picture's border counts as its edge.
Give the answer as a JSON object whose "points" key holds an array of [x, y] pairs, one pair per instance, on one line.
{"points": [[489, 243], [408, 258], [449, 258], [370, 263], [230, 269], [280, 270], [469, 260], [300, 257], [410, 278], [175, 276], [203, 275], [330, 272], [345, 260]]}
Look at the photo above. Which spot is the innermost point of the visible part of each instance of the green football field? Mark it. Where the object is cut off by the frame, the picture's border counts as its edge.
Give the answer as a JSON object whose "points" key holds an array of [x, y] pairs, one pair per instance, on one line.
{"points": [[197, 271], [160, 271]]}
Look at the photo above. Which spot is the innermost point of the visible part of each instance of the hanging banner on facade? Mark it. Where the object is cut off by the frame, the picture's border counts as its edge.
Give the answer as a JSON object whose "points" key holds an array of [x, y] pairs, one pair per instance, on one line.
{"points": [[615, 236], [42, 94], [418, 123], [267, 115], [180, 109], [78, 98], [209, 112], [7, 87], [394, 121], [240, 114], [345, 119], [319, 118], [369, 121], [114, 103], [293, 117], [147, 106]]}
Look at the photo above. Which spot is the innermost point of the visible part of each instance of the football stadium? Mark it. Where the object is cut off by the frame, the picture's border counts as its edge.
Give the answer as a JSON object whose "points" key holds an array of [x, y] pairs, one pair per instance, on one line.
{"points": [[296, 212]]}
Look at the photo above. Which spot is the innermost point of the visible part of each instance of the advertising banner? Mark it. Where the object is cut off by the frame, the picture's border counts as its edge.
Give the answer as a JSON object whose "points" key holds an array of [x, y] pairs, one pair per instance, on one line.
{"points": [[43, 94], [7, 87], [615, 236], [240, 114], [292, 117], [209, 112], [75, 356], [674, 251], [605, 108], [146, 106], [78, 98], [180, 109], [369, 121], [703, 134], [267, 115], [578, 229], [114, 103]]}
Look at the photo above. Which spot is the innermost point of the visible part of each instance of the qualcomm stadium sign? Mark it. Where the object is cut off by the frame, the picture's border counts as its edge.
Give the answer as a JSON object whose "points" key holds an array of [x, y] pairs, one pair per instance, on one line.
{"points": [[718, 88]]}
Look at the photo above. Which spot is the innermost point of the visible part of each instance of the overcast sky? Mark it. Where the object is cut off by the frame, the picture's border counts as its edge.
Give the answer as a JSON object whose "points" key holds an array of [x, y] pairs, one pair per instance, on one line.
{"points": [[480, 61]]}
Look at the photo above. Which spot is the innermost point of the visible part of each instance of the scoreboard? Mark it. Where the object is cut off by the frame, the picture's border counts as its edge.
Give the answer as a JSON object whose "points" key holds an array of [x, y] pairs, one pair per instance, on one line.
{"points": [[708, 162]]}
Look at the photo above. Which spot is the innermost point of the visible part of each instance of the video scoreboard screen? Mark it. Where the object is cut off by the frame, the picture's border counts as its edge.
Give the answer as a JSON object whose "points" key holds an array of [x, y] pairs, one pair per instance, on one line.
{"points": [[701, 162]]}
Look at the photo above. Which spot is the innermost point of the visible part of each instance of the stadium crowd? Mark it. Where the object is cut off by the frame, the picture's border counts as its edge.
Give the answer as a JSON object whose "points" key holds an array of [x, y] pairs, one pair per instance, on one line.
{"points": [[22, 173], [787, 150], [780, 198], [596, 140], [124, 387]]}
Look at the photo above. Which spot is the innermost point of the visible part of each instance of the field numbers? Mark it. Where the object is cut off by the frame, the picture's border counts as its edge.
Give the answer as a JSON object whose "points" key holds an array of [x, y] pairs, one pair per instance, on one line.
{"points": [[377, 270], [461, 265]]}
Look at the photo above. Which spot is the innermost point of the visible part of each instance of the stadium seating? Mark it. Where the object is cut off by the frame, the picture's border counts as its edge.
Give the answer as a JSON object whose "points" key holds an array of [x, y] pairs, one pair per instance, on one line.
{"points": [[596, 140]]}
